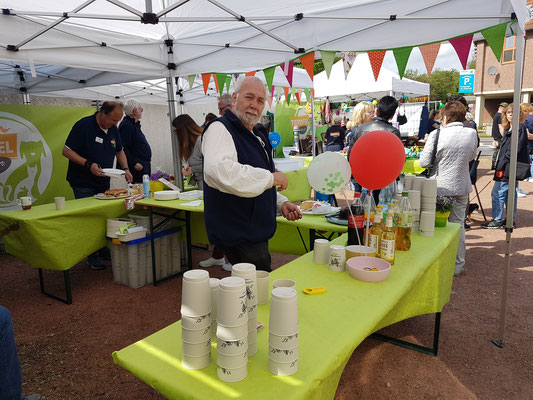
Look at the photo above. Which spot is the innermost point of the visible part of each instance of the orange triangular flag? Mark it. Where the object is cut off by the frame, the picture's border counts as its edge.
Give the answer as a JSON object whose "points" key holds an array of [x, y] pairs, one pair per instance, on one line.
{"points": [[297, 94], [313, 93], [308, 61], [376, 60], [286, 90], [251, 73], [216, 82], [429, 54], [205, 79]]}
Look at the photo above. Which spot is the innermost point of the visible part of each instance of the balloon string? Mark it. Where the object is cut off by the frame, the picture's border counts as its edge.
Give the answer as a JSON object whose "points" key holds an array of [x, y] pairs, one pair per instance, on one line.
{"points": [[351, 215], [368, 219]]}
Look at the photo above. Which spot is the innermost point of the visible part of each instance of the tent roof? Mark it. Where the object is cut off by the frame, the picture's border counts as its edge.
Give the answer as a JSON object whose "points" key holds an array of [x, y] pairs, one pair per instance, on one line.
{"points": [[233, 36], [361, 85]]}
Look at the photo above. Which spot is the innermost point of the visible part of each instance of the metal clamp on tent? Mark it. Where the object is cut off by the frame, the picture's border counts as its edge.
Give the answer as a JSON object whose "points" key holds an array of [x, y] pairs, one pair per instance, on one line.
{"points": [[149, 18]]}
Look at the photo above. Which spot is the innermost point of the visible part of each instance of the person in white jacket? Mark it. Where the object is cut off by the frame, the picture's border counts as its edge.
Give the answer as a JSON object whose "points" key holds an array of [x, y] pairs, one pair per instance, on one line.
{"points": [[456, 147]]}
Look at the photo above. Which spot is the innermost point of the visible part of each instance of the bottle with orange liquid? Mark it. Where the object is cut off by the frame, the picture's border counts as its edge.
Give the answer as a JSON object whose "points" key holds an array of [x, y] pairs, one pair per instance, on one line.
{"points": [[374, 239], [388, 240], [404, 224]]}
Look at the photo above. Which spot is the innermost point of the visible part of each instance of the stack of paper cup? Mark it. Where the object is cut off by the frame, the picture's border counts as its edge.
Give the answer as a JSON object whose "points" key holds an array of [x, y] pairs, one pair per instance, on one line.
{"points": [[337, 258], [427, 223], [418, 182], [249, 274], [114, 224], [263, 286], [408, 182], [429, 195], [321, 251], [232, 330], [414, 200], [214, 282], [283, 332], [196, 319]]}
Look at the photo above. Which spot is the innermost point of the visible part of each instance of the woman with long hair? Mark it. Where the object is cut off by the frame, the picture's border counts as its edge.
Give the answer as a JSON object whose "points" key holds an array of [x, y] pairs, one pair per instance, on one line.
{"points": [[189, 147]]}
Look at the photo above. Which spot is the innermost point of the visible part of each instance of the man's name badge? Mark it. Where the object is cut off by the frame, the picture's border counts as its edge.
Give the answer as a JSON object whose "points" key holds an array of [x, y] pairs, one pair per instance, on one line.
{"points": [[99, 139]]}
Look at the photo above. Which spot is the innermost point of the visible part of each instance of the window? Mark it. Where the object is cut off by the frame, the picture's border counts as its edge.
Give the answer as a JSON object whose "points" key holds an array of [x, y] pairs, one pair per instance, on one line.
{"points": [[509, 50]]}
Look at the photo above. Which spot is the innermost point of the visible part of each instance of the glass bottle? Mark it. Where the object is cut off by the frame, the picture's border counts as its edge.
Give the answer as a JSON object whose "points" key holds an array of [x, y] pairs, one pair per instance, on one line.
{"points": [[388, 240], [374, 239], [404, 224]]}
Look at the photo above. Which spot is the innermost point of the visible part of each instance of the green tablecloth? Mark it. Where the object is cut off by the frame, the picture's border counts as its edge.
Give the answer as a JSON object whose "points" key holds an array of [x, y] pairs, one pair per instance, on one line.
{"points": [[58, 240], [331, 326]]}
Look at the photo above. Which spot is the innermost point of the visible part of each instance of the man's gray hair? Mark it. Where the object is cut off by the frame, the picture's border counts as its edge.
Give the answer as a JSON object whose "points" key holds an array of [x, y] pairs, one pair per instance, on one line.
{"points": [[243, 79], [225, 99], [130, 105], [337, 119]]}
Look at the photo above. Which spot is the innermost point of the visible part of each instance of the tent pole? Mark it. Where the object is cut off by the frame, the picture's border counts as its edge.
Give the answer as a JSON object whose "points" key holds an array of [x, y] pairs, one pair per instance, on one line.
{"points": [[313, 140], [511, 197]]}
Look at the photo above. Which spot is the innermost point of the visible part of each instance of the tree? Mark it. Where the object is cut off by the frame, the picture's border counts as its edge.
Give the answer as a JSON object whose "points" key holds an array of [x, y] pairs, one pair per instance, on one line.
{"points": [[443, 83]]}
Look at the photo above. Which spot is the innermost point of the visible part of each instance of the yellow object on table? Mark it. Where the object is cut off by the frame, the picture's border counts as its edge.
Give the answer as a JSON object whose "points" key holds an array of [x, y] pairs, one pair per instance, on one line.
{"points": [[412, 167], [156, 186]]}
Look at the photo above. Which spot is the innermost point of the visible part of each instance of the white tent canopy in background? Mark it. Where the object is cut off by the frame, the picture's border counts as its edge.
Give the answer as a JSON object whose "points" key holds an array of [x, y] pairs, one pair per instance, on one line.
{"points": [[361, 85]]}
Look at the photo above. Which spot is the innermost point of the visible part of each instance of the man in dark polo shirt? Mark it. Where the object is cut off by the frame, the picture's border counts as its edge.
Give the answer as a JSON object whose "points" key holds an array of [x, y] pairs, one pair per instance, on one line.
{"points": [[92, 145]]}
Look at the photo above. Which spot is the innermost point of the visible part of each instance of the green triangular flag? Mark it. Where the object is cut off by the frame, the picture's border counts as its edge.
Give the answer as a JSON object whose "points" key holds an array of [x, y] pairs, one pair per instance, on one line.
{"points": [[293, 90], [191, 80], [228, 82], [269, 76], [221, 78], [288, 99], [328, 58], [307, 94], [401, 54], [495, 37]]}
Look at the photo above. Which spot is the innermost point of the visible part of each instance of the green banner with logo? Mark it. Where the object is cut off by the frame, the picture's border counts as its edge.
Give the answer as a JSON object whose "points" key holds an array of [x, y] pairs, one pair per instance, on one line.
{"points": [[31, 141]]}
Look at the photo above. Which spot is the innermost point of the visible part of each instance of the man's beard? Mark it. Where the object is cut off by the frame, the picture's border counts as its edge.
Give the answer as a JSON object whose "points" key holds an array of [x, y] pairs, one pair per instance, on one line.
{"points": [[247, 119]]}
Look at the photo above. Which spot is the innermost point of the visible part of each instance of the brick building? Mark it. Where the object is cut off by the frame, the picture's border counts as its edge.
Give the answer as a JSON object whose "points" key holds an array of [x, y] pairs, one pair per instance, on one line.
{"points": [[494, 80]]}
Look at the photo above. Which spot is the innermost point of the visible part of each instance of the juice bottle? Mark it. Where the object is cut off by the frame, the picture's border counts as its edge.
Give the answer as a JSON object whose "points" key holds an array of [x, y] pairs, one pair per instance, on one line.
{"points": [[388, 240], [404, 224], [374, 239]]}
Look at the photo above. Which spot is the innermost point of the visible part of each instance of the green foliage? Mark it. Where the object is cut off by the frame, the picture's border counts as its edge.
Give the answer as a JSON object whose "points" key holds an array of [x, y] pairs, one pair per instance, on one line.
{"points": [[444, 204], [443, 83], [471, 64]]}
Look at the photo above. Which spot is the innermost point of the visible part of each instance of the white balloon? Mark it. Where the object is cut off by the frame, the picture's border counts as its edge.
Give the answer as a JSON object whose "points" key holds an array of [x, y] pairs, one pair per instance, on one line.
{"points": [[329, 173]]}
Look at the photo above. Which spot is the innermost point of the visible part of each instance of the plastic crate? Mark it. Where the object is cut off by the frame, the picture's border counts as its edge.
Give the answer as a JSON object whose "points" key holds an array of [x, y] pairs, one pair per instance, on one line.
{"points": [[132, 261]]}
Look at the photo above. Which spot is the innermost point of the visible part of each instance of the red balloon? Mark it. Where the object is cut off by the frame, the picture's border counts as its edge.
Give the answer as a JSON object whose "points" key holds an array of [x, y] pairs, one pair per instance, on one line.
{"points": [[377, 158]]}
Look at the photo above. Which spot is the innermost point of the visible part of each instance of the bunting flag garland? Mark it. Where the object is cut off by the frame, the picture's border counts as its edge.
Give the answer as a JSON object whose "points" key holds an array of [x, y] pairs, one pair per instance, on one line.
{"points": [[429, 54], [297, 94], [269, 101], [462, 48], [228, 83], [269, 75], [376, 60], [272, 91], [205, 79], [307, 94], [216, 81], [348, 60], [220, 80], [308, 61], [287, 95], [288, 70], [250, 73], [401, 54], [495, 37], [191, 79], [312, 93], [328, 58], [288, 99]]}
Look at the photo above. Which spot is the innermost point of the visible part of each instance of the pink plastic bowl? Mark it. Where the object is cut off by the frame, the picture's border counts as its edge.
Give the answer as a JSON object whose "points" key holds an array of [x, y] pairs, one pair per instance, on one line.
{"points": [[356, 268]]}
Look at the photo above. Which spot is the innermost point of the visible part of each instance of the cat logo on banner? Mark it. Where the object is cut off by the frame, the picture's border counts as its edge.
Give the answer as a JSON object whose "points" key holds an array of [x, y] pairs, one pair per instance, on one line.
{"points": [[25, 160]]}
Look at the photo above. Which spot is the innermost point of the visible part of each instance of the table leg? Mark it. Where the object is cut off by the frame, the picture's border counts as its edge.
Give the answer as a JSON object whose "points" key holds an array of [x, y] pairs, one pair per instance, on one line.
{"points": [[412, 346], [311, 239], [152, 246], [68, 292]]}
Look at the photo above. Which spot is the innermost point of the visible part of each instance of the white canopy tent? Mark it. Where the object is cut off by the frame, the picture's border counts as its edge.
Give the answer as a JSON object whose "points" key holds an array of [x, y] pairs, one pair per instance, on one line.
{"points": [[360, 84], [180, 37]]}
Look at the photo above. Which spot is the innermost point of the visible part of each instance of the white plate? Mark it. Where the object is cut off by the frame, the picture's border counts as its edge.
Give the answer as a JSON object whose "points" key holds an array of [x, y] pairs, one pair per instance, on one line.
{"points": [[101, 196], [166, 195], [113, 172], [320, 212]]}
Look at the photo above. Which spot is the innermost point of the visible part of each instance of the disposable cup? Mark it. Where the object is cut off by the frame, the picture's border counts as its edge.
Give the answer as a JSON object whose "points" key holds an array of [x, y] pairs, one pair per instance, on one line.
{"points": [[283, 311], [252, 340], [427, 223], [231, 308], [60, 203], [337, 258], [429, 187], [196, 349], [252, 323], [282, 355], [414, 198], [232, 361], [243, 270], [252, 312], [283, 283], [196, 293], [200, 322], [232, 333], [196, 362], [248, 272], [321, 251], [358, 251], [232, 347], [282, 369], [195, 335], [408, 182], [418, 183], [283, 341], [263, 283], [214, 283], [232, 375], [252, 348]]}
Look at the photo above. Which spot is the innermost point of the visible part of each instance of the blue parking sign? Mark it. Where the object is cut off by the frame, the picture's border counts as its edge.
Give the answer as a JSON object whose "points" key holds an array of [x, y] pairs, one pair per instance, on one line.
{"points": [[466, 81]]}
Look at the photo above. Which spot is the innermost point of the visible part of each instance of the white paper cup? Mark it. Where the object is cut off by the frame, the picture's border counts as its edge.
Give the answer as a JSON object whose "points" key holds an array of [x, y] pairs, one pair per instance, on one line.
{"points": [[427, 223], [196, 293], [231, 309], [196, 349], [249, 273], [414, 198], [60, 203], [283, 341], [232, 375], [232, 361], [232, 333], [196, 362], [283, 311], [429, 187], [282, 369], [232, 347], [252, 348], [263, 286], [282, 355], [408, 181], [283, 283], [321, 251], [200, 322], [418, 183], [252, 323], [214, 283], [195, 335], [252, 312], [337, 258]]}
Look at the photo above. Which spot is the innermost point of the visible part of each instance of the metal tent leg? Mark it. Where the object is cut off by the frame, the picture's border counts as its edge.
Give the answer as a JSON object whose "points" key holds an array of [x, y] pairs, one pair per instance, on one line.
{"points": [[68, 293]]}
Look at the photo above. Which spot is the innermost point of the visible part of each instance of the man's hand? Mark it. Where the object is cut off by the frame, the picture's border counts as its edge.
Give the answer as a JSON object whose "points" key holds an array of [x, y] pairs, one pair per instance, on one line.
{"points": [[138, 167], [96, 170], [186, 171], [290, 211], [280, 180], [129, 176]]}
